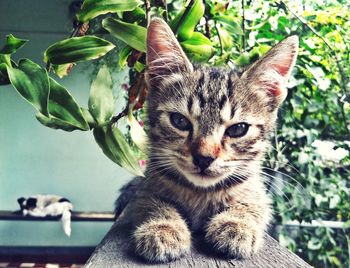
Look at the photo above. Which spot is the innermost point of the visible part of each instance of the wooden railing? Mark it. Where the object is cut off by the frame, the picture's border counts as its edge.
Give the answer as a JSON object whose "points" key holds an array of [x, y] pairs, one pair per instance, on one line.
{"points": [[115, 251]]}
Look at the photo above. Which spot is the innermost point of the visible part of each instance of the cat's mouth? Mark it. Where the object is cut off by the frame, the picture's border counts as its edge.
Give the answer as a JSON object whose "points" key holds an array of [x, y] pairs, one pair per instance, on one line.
{"points": [[201, 178], [205, 175]]}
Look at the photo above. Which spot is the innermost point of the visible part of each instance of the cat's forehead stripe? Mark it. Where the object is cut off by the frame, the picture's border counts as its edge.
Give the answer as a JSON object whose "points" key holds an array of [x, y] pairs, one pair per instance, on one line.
{"points": [[202, 100], [214, 74], [229, 86], [201, 79], [222, 102], [189, 104]]}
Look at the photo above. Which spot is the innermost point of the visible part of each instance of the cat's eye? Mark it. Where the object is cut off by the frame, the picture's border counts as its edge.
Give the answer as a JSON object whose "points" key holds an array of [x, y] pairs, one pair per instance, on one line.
{"points": [[180, 122], [237, 130]]}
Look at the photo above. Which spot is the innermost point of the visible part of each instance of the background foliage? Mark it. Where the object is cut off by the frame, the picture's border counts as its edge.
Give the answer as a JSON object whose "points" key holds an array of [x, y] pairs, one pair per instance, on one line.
{"points": [[307, 170]]}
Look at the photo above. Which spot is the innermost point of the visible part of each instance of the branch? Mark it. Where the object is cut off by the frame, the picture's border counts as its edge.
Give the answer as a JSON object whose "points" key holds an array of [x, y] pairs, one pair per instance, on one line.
{"points": [[284, 6], [123, 113], [136, 90], [343, 78], [207, 28], [148, 11]]}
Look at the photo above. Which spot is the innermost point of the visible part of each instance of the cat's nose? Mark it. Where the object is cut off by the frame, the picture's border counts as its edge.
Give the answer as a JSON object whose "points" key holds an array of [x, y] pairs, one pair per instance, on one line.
{"points": [[202, 161]]}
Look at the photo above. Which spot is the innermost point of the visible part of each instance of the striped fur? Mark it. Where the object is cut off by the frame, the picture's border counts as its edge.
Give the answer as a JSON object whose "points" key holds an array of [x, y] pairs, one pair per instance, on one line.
{"points": [[227, 200]]}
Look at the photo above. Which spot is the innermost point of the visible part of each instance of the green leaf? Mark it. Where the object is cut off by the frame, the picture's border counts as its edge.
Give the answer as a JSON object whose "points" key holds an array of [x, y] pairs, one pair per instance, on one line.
{"points": [[77, 49], [63, 69], [12, 44], [198, 47], [89, 118], [263, 48], [100, 138], [55, 123], [63, 107], [32, 83], [333, 201], [122, 151], [115, 147], [93, 8], [4, 79], [138, 14], [225, 37], [229, 23], [139, 67], [254, 54], [314, 244], [188, 24], [101, 100], [243, 60], [123, 55], [132, 34], [137, 133], [6, 59], [197, 39]]}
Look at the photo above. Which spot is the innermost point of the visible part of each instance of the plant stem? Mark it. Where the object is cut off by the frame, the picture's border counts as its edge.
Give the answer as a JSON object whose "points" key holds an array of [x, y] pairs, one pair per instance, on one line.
{"points": [[243, 25], [76, 29], [220, 41], [207, 28], [137, 87], [166, 11], [187, 10], [148, 11], [123, 113]]}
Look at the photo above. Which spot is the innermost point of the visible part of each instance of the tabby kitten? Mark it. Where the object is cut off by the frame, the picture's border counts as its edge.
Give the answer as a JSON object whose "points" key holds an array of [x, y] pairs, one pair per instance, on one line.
{"points": [[209, 129]]}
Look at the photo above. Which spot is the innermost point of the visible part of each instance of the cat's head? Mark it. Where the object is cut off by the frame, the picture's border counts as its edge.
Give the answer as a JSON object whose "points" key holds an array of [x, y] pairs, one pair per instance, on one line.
{"points": [[27, 203], [211, 125]]}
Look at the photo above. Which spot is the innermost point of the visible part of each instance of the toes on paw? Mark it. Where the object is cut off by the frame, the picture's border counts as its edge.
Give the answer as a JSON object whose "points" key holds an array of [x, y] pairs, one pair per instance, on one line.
{"points": [[234, 239], [162, 241]]}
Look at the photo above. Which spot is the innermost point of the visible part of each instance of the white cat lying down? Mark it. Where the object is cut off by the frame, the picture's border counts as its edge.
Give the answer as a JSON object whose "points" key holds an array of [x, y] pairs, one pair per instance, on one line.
{"points": [[48, 205]]}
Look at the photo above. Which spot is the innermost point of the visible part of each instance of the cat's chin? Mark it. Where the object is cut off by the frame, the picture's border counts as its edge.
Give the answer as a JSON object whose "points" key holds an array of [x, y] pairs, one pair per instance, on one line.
{"points": [[201, 179]]}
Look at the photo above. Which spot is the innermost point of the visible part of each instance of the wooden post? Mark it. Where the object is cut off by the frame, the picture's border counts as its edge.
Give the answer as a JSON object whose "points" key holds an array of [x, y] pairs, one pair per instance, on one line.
{"points": [[115, 251]]}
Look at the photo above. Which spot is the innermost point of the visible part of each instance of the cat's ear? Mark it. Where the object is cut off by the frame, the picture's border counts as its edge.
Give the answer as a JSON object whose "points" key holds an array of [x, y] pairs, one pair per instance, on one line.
{"points": [[164, 53], [20, 200], [271, 73]]}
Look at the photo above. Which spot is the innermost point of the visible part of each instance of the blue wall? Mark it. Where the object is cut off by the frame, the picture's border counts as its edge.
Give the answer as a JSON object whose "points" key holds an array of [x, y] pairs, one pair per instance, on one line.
{"points": [[35, 159]]}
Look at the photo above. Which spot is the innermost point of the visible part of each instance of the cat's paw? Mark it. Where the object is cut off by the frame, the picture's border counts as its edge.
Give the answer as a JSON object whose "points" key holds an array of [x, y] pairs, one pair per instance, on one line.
{"points": [[162, 240], [234, 237]]}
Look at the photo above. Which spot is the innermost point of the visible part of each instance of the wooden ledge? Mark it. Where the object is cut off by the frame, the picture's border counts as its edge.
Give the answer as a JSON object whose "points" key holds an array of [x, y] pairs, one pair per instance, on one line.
{"points": [[114, 251]]}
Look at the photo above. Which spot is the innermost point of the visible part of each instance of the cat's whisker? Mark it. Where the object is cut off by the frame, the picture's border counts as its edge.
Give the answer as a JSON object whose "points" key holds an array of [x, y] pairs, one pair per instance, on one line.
{"points": [[280, 179], [285, 175], [276, 171], [267, 181], [287, 163]]}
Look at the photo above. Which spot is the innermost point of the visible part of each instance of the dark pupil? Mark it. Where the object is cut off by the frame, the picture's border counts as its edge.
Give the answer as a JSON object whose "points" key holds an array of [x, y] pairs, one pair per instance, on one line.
{"points": [[179, 121], [237, 130]]}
